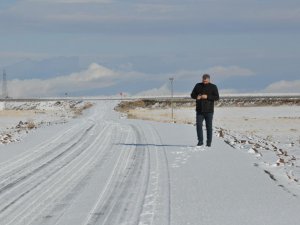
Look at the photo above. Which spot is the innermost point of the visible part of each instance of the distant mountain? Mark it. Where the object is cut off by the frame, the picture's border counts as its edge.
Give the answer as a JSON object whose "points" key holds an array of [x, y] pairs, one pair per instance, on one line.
{"points": [[42, 69]]}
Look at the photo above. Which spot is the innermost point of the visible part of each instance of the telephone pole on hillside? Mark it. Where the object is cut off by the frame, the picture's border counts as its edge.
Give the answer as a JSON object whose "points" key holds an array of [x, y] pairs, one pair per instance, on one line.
{"points": [[172, 96], [4, 86]]}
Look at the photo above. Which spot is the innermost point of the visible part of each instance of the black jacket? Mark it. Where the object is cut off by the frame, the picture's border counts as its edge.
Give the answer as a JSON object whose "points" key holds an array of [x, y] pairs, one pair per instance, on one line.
{"points": [[205, 105]]}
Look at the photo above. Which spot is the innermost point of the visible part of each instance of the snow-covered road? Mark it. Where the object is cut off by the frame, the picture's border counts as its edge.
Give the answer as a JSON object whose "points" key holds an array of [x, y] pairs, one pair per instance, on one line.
{"points": [[102, 169]]}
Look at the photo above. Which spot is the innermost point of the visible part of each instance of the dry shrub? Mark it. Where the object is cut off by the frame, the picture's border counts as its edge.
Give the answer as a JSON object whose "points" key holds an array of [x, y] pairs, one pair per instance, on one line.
{"points": [[31, 125], [126, 105], [78, 111], [87, 105]]}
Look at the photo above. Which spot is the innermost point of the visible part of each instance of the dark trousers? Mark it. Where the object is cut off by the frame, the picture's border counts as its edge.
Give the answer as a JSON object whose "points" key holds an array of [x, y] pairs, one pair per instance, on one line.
{"points": [[208, 117]]}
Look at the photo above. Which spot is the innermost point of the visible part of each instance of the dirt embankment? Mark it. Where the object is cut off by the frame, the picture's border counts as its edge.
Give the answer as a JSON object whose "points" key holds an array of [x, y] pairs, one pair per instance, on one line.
{"points": [[160, 109], [223, 102]]}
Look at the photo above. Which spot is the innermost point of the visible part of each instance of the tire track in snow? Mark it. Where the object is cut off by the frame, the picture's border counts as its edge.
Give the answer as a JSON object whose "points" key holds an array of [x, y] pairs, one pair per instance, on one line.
{"points": [[36, 156], [57, 187], [166, 181], [28, 170], [113, 192], [130, 197], [28, 186], [140, 169], [35, 181], [33, 153], [66, 186], [156, 208], [58, 212], [125, 198]]}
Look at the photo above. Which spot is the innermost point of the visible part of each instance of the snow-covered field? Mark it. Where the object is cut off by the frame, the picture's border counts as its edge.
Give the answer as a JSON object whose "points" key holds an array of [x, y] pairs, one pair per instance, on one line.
{"points": [[270, 133], [102, 168], [17, 119]]}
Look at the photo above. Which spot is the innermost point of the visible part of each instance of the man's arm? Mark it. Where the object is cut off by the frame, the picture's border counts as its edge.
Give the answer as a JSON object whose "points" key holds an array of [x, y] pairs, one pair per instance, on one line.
{"points": [[215, 94], [195, 93]]}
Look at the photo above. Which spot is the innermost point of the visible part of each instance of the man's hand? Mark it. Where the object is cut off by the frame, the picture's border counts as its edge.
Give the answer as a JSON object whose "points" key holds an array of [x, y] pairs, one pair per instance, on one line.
{"points": [[198, 97], [203, 96]]}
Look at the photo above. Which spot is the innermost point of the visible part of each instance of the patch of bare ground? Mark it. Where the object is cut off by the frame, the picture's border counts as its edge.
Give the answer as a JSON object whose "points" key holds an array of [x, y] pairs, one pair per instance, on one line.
{"points": [[150, 110], [18, 113], [158, 116], [79, 110]]}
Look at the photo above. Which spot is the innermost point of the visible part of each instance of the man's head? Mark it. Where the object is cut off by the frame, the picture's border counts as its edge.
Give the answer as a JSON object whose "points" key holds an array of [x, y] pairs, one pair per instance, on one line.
{"points": [[206, 79]]}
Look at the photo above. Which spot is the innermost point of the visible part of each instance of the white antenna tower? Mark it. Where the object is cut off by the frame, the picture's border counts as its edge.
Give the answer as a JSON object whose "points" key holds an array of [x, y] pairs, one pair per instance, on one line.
{"points": [[4, 86]]}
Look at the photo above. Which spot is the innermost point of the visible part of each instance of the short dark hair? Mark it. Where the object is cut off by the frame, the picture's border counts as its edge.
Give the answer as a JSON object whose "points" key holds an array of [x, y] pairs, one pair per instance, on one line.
{"points": [[205, 76]]}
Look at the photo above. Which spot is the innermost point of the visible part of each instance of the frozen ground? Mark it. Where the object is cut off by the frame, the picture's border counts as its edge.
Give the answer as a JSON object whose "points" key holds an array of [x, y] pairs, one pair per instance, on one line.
{"points": [[17, 119], [270, 133], [102, 168]]}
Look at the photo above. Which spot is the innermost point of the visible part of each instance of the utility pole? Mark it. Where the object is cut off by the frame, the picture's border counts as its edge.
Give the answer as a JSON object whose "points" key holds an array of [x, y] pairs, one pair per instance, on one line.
{"points": [[172, 96], [4, 86]]}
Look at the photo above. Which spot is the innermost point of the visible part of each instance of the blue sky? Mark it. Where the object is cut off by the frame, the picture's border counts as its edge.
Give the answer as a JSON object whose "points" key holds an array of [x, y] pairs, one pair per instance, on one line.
{"points": [[134, 46]]}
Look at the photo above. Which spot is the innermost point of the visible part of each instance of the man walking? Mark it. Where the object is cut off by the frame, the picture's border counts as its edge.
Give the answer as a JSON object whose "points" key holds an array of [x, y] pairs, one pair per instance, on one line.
{"points": [[205, 94]]}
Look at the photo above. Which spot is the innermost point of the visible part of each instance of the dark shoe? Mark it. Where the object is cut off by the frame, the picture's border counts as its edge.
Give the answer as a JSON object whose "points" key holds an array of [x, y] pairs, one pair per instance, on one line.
{"points": [[199, 144], [208, 145]]}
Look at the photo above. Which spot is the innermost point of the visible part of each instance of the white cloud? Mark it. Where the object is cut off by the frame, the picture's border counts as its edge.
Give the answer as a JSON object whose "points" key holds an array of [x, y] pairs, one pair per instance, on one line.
{"points": [[7, 58], [157, 8], [96, 76], [216, 71], [279, 15], [43, 13], [164, 90], [185, 16], [16, 54], [83, 17], [229, 71], [284, 87], [70, 1]]}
